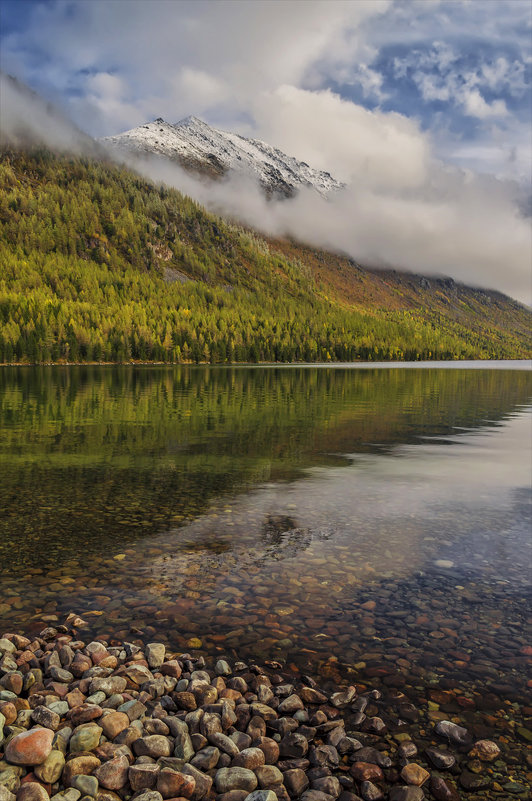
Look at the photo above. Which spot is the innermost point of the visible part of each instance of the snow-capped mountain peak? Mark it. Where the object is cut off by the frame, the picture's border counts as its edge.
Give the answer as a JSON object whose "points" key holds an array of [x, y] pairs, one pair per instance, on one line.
{"points": [[196, 145]]}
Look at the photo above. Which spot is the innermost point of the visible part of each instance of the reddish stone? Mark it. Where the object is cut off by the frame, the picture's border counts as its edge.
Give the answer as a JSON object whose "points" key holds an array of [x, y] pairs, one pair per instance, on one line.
{"points": [[30, 747], [113, 774], [85, 713], [171, 668], [32, 791], [171, 783]]}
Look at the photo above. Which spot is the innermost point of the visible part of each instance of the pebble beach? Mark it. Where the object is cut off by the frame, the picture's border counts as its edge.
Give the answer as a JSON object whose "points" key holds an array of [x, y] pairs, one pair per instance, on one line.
{"points": [[119, 720]]}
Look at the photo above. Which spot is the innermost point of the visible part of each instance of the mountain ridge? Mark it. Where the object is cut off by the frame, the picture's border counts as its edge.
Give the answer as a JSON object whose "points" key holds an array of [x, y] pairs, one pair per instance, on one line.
{"points": [[101, 265], [197, 146]]}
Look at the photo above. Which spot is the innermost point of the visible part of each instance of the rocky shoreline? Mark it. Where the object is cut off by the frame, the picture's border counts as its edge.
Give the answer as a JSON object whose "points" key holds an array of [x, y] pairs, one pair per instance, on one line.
{"points": [[113, 721]]}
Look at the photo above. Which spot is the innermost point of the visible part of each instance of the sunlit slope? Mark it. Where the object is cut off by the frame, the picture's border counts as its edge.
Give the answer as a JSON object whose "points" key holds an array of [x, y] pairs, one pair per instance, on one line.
{"points": [[100, 265]]}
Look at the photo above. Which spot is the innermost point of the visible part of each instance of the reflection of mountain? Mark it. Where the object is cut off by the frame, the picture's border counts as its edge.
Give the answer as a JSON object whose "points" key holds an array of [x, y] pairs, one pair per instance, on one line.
{"points": [[92, 458]]}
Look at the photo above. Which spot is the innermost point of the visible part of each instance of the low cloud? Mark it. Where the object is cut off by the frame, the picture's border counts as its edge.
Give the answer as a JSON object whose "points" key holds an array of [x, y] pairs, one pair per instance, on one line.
{"points": [[445, 222], [26, 119], [402, 208]]}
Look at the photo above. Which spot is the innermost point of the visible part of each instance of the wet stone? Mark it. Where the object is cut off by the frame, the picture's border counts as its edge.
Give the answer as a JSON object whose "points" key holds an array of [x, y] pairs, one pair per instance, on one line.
{"points": [[370, 791], [315, 795], [366, 771], [485, 750], [407, 794], [473, 781], [414, 774], [443, 760], [328, 784], [452, 732]]}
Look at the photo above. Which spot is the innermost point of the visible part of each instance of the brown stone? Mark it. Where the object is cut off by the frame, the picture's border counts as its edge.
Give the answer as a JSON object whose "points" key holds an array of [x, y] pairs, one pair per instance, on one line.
{"points": [[114, 723], [79, 766], [251, 758], [172, 783], [143, 777], [84, 713], [32, 791], [311, 696], [269, 776], [442, 790], [366, 771], [171, 668], [156, 745], [295, 781], [74, 698], [414, 774], [9, 711]]}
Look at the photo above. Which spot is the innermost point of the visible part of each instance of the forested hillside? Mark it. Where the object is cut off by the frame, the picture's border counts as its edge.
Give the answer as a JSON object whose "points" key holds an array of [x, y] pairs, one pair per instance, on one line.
{"points": [[99, 265]]}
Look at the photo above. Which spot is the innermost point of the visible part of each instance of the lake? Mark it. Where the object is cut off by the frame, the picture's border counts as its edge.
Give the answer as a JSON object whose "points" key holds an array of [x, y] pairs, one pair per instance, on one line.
{"points": [[364, 523]]}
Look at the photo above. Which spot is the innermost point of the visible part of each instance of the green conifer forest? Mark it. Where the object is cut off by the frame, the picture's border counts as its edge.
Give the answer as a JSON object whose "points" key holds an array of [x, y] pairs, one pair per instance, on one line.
{"points": [[99, 265]]}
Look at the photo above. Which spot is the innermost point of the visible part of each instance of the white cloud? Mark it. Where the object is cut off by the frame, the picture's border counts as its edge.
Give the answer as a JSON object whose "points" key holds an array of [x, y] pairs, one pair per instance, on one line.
{"points": [[366, 147], [475, 105], [266, 69]]}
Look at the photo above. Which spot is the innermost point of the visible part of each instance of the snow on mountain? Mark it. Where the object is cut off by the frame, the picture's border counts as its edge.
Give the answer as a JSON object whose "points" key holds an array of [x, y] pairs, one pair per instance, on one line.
{"points": [[197, 146]]}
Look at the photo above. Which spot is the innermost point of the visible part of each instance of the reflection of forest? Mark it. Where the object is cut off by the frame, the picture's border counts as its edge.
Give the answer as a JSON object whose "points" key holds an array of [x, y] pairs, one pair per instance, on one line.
{"points": [[93, 457]]}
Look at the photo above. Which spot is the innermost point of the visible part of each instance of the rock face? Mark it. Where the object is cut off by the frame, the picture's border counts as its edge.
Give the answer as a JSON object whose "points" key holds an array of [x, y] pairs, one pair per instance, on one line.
{"points": [[197, 146]]}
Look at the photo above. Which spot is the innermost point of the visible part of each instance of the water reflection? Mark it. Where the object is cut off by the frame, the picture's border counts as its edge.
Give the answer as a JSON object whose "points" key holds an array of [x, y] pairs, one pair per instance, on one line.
{"points": [[379, 517]]}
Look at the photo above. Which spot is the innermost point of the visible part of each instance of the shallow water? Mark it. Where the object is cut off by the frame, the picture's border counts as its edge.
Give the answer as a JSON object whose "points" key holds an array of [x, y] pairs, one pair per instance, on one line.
{"points": [[361, 522]]}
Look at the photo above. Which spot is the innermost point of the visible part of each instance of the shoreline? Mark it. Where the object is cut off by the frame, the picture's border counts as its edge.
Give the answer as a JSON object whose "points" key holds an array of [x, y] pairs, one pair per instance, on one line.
{"points": [[115, 720], [416, 364]]}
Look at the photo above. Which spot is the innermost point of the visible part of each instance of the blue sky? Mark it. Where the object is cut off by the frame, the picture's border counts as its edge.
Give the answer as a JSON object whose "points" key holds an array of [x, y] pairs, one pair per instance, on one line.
{"points": [[423, 107], [460, 70]]}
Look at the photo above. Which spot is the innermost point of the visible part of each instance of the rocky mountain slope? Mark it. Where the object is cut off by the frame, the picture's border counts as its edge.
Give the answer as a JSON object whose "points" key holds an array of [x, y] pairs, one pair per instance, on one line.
{"points": [[98, 264], [196, 146]]}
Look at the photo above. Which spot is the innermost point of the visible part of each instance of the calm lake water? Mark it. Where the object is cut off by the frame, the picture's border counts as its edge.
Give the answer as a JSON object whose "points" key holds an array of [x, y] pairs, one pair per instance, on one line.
{"points": [[363, 522]]}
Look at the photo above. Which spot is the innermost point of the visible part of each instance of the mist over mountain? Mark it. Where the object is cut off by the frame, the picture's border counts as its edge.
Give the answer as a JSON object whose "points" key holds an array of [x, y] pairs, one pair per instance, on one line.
{"points": [[434, 220], [26, 119], [197, 147]]}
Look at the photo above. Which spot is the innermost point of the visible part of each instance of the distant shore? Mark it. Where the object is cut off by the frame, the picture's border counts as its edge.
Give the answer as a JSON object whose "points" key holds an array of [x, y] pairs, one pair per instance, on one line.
{"points": [[420, 363]]}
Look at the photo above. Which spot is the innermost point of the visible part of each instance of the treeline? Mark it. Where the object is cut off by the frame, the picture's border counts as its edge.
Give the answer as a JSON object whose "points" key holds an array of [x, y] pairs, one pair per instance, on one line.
{"points": [[99, 265]]}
